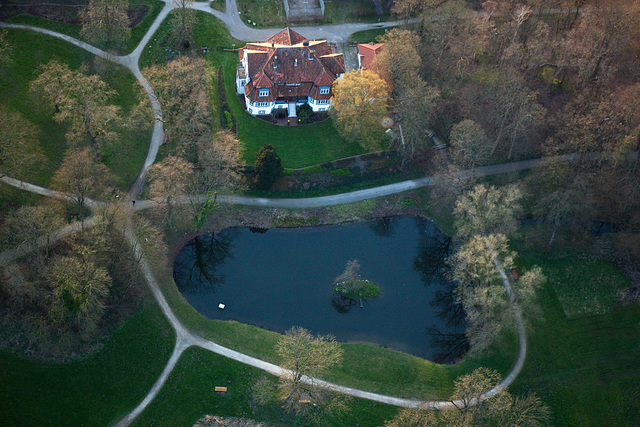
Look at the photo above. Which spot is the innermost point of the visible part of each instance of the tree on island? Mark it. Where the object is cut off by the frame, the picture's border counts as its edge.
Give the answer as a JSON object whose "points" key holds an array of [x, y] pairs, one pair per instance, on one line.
{"points": [[350, 285]]}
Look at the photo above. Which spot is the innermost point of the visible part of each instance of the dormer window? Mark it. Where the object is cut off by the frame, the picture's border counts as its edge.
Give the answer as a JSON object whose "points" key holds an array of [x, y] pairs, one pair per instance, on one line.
{"points": [[265, 92], [324, 90]]}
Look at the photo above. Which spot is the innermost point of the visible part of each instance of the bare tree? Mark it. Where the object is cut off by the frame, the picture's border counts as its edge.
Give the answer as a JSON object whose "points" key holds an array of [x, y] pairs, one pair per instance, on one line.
{"points": [[29, 223], [486, 209], [471, 409], [81, 100], [470, 144], [349, 276], [106, 21], [181, 90], [305, 357], [170, 178], [503, 409], [413, 99], [6, 50], [183, 22], [78, 292], [19, 144], [82, 176]]}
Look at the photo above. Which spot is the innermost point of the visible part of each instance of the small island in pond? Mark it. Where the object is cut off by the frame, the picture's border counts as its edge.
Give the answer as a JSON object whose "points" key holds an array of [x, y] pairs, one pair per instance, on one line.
{"points": [[350, 285]]}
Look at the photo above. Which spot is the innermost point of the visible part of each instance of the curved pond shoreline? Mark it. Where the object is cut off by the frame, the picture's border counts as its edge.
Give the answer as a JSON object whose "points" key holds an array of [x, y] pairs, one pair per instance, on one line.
{"points": [[283, 278]]}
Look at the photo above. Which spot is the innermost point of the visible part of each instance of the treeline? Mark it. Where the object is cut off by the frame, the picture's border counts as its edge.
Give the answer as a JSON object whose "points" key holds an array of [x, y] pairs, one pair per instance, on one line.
{"points": [[507, 80]]}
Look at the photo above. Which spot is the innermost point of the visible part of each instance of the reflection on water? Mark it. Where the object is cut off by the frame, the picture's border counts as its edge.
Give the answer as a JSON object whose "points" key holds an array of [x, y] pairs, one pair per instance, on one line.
{"points": [[200, 259], [283, 277], [342, 304]]}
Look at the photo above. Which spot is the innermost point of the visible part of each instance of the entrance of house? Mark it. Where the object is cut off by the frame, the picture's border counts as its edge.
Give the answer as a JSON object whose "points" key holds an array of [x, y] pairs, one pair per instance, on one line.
{"points": [[292, 108]]}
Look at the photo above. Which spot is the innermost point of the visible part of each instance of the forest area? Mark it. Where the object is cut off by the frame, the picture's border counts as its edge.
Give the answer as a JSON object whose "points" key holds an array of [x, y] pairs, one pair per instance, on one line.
{"points": [[505, 81]]}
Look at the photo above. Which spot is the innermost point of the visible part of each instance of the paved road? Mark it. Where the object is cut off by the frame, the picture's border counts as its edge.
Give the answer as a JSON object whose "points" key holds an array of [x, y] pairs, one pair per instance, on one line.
{"points": [[338, 33]]}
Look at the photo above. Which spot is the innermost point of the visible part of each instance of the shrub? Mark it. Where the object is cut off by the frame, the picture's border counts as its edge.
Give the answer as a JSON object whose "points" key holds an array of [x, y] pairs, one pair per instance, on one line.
{"points": [[311, 169], [383, 163], [304, 113], [228, 119], [340, 172]]}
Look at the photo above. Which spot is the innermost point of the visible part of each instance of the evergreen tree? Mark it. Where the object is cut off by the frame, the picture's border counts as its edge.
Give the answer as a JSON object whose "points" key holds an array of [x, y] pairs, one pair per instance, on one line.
{"points": [[268, 167]]}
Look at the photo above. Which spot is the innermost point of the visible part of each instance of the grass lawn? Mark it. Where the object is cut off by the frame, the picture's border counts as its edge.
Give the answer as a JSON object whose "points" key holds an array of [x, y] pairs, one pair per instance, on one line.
{"points": [[189, 394], [586, 368], [265, 13], [367, 36], [137, 32], [30, 50], [338, 12], [97, 391], [582, 368], [297, 146]]}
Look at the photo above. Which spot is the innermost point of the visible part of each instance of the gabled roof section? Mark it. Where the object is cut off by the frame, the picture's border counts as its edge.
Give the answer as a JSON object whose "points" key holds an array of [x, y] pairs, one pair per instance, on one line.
{"points": [[334, 62], [368, 54], [324, 79], [262, 81], [286, 37]]}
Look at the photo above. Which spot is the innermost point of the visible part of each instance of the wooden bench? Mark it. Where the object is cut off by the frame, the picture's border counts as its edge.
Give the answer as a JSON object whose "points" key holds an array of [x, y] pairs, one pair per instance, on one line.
{"points": [[305, 401], [221, 389]]}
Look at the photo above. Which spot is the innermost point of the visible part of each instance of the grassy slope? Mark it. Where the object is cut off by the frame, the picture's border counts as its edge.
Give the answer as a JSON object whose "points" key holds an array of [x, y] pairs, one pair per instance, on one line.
{"points": [[586, 369], [98, 391]]}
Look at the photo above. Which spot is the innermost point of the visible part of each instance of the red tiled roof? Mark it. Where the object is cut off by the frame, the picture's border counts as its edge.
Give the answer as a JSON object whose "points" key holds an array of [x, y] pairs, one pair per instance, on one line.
{"points": [[287, 36], [323, 79], [291, 65], [334, 62], [368, 53]]}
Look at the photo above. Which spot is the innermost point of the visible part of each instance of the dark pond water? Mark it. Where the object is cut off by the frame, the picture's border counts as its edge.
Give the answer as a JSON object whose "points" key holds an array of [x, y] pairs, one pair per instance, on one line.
{"points": [[280, 278]]}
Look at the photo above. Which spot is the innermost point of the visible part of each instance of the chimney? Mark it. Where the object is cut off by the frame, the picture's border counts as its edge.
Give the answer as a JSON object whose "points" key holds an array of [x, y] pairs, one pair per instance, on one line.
{"points": [[305, 43]]}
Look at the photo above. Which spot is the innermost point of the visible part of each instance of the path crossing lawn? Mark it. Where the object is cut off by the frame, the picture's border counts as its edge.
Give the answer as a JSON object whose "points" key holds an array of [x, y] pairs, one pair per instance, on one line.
{"points": [[98, 391], [585, 368], [137, 32], [124, 157], [189, 394]]}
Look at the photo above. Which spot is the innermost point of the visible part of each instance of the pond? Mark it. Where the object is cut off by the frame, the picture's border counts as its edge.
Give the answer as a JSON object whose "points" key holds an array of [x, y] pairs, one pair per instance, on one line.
{"points": [[278, 278]]}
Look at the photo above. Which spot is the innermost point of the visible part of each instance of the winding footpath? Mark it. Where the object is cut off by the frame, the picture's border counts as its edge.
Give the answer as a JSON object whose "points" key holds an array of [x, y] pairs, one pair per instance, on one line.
{"points": [[184, 337]]}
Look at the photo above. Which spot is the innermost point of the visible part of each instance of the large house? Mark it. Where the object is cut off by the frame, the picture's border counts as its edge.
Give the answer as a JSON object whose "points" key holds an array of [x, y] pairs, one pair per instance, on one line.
{"points": [[285, 71]]}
